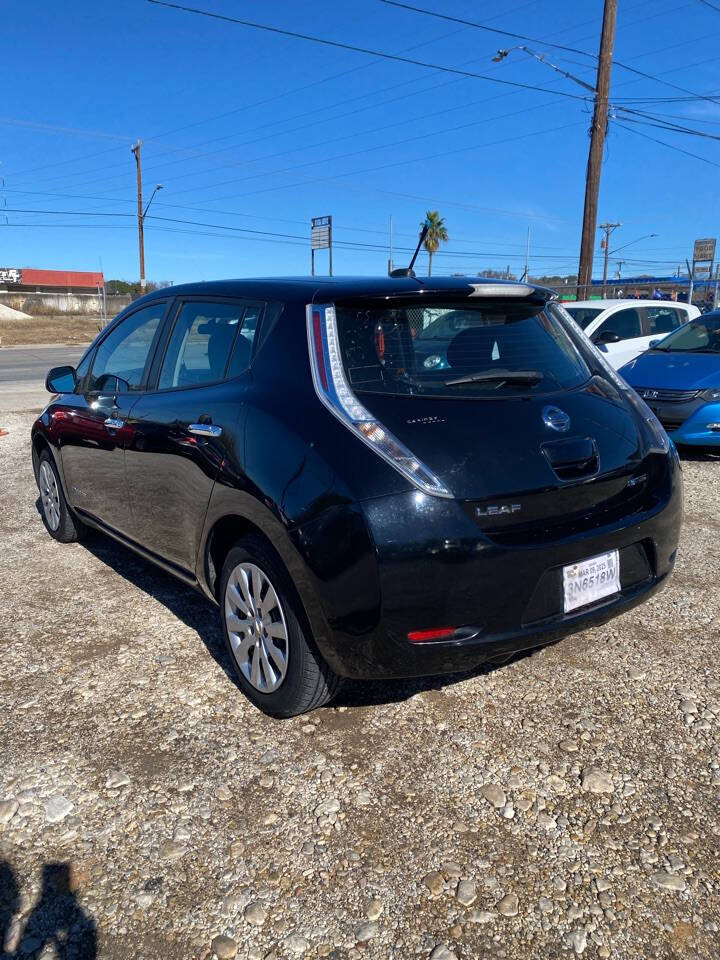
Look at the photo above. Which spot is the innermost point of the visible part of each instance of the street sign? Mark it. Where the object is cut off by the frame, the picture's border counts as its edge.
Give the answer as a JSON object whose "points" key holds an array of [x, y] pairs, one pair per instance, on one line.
{"points": [[704, 250], [320, 238]]}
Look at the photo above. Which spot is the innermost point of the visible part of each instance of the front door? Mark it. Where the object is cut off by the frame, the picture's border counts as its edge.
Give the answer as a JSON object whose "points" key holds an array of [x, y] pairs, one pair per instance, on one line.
{"points": [[94, 429], [627, 325], [181, 432]]}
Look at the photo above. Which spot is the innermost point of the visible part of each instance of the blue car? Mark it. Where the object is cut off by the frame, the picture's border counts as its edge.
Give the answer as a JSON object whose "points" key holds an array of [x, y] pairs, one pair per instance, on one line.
{"points": [[432, 342], [679, 379]]}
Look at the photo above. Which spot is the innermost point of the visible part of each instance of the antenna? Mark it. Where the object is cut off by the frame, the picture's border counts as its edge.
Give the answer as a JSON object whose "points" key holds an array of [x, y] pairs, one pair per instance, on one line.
{"points": [[408, 271]]}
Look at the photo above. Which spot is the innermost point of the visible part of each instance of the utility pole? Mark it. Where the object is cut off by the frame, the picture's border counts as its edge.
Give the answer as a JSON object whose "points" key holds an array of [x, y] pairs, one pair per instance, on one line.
{"points": [[597, 144], [526, 275], [609, 229], [691, 276], [390, 260], [141, 218]]}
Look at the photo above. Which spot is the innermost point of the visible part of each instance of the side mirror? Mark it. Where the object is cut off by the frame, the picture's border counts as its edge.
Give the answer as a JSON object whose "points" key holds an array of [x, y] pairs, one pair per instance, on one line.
{"points": [[61, 380], [110, 383], [609, 336], [653, 343]]}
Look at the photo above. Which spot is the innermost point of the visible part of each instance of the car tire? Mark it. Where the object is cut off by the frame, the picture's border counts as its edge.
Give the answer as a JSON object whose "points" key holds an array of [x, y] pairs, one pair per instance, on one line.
{"points": [[60, 522], [276, 661]]}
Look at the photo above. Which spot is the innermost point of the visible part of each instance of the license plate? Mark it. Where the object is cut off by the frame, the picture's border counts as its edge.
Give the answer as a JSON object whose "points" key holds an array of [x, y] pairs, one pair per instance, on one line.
{"points": [[591, 580]]}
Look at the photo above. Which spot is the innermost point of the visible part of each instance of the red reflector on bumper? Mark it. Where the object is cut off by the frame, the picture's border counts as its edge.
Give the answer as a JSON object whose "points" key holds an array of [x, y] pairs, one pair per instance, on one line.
{"points": [[423, 636]]}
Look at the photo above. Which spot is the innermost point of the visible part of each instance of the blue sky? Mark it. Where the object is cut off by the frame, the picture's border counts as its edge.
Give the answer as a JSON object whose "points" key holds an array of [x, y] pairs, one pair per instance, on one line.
{"points": [[259, 132]]}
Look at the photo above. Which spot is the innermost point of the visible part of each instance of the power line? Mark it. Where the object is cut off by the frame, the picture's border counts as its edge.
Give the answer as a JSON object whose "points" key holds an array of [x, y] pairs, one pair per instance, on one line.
{"points": [[283, 95], [356, 49], [650, 121], [386, 166], [249, 106], [259, 234], [664, 143], [185, 150], [481, 26], [546, 43]]}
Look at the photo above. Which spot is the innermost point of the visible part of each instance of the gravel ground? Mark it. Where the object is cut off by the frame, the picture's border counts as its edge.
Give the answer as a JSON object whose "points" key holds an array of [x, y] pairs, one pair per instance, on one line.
{"points": [[567, 803]]}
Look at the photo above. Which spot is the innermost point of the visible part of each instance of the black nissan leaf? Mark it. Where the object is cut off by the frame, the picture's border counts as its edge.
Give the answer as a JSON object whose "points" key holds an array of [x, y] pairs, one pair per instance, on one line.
{"points": [[285, 447]]}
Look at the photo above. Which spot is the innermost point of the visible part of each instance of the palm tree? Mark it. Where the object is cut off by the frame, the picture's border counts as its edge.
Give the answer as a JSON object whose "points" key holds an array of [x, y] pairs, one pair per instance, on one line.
{"points": [[436, 235]]}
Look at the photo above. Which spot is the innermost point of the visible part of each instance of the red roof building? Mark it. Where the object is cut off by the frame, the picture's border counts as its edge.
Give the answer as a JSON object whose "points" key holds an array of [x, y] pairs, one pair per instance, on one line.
{"points": [[28, 279]]}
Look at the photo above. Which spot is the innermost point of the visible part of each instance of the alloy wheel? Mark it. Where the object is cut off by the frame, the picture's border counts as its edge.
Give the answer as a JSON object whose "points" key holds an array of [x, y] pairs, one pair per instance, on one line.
{"points": [[50, 495], [256, 627]]}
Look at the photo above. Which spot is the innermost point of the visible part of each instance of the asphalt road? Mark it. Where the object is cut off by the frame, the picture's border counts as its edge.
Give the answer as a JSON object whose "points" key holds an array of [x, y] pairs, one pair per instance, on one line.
{"points": [[23, 370]]}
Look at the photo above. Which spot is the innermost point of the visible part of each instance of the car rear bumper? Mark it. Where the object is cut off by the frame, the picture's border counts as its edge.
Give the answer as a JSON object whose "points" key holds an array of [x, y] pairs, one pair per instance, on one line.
{"points": [[432, 567]]}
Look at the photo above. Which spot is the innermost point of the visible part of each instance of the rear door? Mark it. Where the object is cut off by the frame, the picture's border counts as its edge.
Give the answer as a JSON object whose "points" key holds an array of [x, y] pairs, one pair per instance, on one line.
{"points": [[661, 320], [93, 431], [187, 425]]}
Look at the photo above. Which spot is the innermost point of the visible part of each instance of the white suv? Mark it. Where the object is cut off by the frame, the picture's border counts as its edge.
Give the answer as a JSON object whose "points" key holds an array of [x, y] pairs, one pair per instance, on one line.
{"points": [[623, 329]]}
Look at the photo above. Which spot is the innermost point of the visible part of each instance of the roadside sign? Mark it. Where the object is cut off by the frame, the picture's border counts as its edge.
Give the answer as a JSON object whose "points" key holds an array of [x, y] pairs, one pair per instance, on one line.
{"points": [[320, 232], [320, 238], [704, 250], [10, 275]]}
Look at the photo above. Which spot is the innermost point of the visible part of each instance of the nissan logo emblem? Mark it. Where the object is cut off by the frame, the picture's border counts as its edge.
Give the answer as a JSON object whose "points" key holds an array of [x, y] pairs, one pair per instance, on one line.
{"points": [[556, 419]]}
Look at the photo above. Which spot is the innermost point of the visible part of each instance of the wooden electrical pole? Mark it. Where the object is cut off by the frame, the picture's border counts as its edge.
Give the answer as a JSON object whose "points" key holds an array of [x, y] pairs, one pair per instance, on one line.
{"points": [[597, 144], [141, 218], [608, 228]]}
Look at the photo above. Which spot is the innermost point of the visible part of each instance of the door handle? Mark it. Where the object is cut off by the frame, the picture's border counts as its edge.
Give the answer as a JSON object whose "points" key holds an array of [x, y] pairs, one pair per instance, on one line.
{"points": [[205, 429], [112, 423]]}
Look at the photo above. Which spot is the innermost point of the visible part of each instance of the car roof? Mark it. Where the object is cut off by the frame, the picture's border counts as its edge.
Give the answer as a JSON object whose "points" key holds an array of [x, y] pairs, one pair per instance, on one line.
{"points": [[317, 289], [629, 302]]}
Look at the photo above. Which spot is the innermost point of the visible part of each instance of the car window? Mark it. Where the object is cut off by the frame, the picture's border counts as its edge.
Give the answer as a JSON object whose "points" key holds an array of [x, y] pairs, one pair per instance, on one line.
{"points": [[583, 316], [82, 369], [242, 350], [663, 319], [504, 349], [439, 325], [121, 358], [625, 323], [200, 344]]}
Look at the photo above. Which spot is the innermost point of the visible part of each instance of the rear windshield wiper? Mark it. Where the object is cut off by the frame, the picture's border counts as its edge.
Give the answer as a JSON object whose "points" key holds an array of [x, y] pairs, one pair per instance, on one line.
{"points": [[530, 377]]}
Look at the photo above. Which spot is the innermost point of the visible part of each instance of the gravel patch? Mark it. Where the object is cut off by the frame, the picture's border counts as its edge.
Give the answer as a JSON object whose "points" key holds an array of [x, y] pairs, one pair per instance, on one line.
{"points": [[565, 804]]}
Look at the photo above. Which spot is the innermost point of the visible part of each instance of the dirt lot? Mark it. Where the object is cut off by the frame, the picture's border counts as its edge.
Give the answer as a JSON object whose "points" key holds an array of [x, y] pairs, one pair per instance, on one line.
{"points": [[68, 328], [565, 804]]}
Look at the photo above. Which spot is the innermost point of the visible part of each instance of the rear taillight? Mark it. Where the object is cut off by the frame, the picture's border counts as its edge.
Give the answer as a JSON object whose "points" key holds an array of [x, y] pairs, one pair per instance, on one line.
{"points": [[318, 344], [333, 389]]}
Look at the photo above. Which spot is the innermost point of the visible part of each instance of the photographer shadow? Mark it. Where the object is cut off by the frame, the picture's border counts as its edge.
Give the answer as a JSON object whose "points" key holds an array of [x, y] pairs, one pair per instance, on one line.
{"points": [[57, 919]]}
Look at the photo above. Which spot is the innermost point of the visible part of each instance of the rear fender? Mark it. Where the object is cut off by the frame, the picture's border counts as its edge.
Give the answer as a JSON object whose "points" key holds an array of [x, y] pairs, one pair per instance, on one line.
{"points": [[227, 502]]}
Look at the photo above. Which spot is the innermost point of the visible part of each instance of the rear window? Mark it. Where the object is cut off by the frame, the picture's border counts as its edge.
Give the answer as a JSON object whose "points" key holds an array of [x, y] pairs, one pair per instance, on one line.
{"points": [[506, 348], [583, 316]]}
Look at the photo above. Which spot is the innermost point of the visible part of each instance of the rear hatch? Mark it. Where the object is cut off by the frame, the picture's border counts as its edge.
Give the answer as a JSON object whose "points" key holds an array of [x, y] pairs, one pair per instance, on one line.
{"points": [[497, 401]]}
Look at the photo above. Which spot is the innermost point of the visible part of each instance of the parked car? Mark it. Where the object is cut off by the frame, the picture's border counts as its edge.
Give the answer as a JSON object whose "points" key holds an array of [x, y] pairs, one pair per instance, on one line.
{"points": [[623, 329], [679, 379], [279, 445]]}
